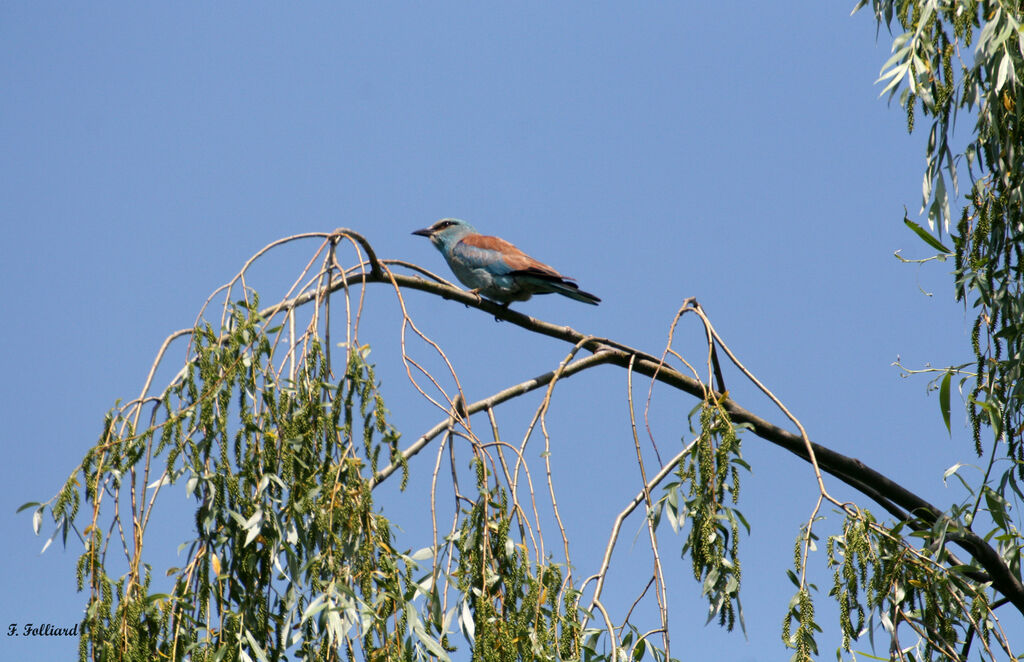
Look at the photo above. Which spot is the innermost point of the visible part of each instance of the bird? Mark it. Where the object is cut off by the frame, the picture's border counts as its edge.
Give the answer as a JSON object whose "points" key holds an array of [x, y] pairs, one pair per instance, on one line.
{"points": [[496, 269]]}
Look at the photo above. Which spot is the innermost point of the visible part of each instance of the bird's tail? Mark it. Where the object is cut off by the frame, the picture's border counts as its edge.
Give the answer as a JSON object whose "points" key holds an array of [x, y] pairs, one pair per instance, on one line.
{"points": [[566, 288]]}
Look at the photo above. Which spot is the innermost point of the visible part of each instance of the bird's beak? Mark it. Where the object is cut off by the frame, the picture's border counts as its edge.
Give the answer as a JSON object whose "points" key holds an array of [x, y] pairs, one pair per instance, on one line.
{"points": [[425, 232]]}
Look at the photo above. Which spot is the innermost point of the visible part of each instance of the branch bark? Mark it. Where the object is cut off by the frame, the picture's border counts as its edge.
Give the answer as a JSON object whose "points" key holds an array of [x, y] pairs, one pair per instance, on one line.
{"points": [[917, 512]]}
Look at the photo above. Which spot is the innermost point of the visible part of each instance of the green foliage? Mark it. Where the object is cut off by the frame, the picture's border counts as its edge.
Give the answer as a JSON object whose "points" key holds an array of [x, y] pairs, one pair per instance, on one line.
{"points": [[801, 610], [706, 492], [920, 595], [516, 613], [289, 557], [876, 570], [961, 59], [989, 233]]}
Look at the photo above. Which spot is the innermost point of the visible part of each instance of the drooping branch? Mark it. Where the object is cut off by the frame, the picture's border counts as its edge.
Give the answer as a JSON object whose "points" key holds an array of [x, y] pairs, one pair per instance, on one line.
{"points": [[487, 403], [892, 496], [219, 362], [886, 492]]}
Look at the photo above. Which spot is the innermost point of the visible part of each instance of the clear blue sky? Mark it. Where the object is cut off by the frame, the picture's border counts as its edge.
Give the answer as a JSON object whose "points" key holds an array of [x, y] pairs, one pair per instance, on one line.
{"points": [[732, 151]]}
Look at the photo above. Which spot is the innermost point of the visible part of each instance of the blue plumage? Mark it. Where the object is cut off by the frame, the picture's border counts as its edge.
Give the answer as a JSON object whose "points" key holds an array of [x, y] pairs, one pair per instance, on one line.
{"points": [[495, 268]]}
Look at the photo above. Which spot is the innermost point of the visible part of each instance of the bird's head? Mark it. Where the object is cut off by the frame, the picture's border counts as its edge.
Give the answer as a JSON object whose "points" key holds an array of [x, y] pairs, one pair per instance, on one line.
{"points": [[446, 233]]}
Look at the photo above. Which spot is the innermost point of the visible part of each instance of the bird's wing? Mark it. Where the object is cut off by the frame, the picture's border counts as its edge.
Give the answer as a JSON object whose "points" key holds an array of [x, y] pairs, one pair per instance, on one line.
{"points": [[499, 254]]}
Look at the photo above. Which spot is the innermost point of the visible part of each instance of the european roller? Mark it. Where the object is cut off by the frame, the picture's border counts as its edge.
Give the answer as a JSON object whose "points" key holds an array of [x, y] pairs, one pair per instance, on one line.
{"points": [[495, 268]]}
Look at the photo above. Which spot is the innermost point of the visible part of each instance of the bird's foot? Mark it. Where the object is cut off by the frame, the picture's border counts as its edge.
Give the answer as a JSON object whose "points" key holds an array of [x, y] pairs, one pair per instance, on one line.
{"points": [[476, 292], [505, 307]]}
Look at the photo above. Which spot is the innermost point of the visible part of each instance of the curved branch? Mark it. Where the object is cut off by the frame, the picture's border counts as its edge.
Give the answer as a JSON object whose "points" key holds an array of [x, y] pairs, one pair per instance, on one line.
{"points": [[889, 494], [480, 405], [324, 275], [892, 496]]}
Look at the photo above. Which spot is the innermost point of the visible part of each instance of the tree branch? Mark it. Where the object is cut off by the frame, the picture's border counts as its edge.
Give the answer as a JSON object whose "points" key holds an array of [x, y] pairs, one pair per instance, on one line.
{"points": [[889, 494], [893, 497]]}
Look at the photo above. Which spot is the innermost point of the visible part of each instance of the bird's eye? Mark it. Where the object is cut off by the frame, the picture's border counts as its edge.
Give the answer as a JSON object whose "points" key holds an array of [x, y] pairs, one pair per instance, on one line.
{"points": [[444, 224]]}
